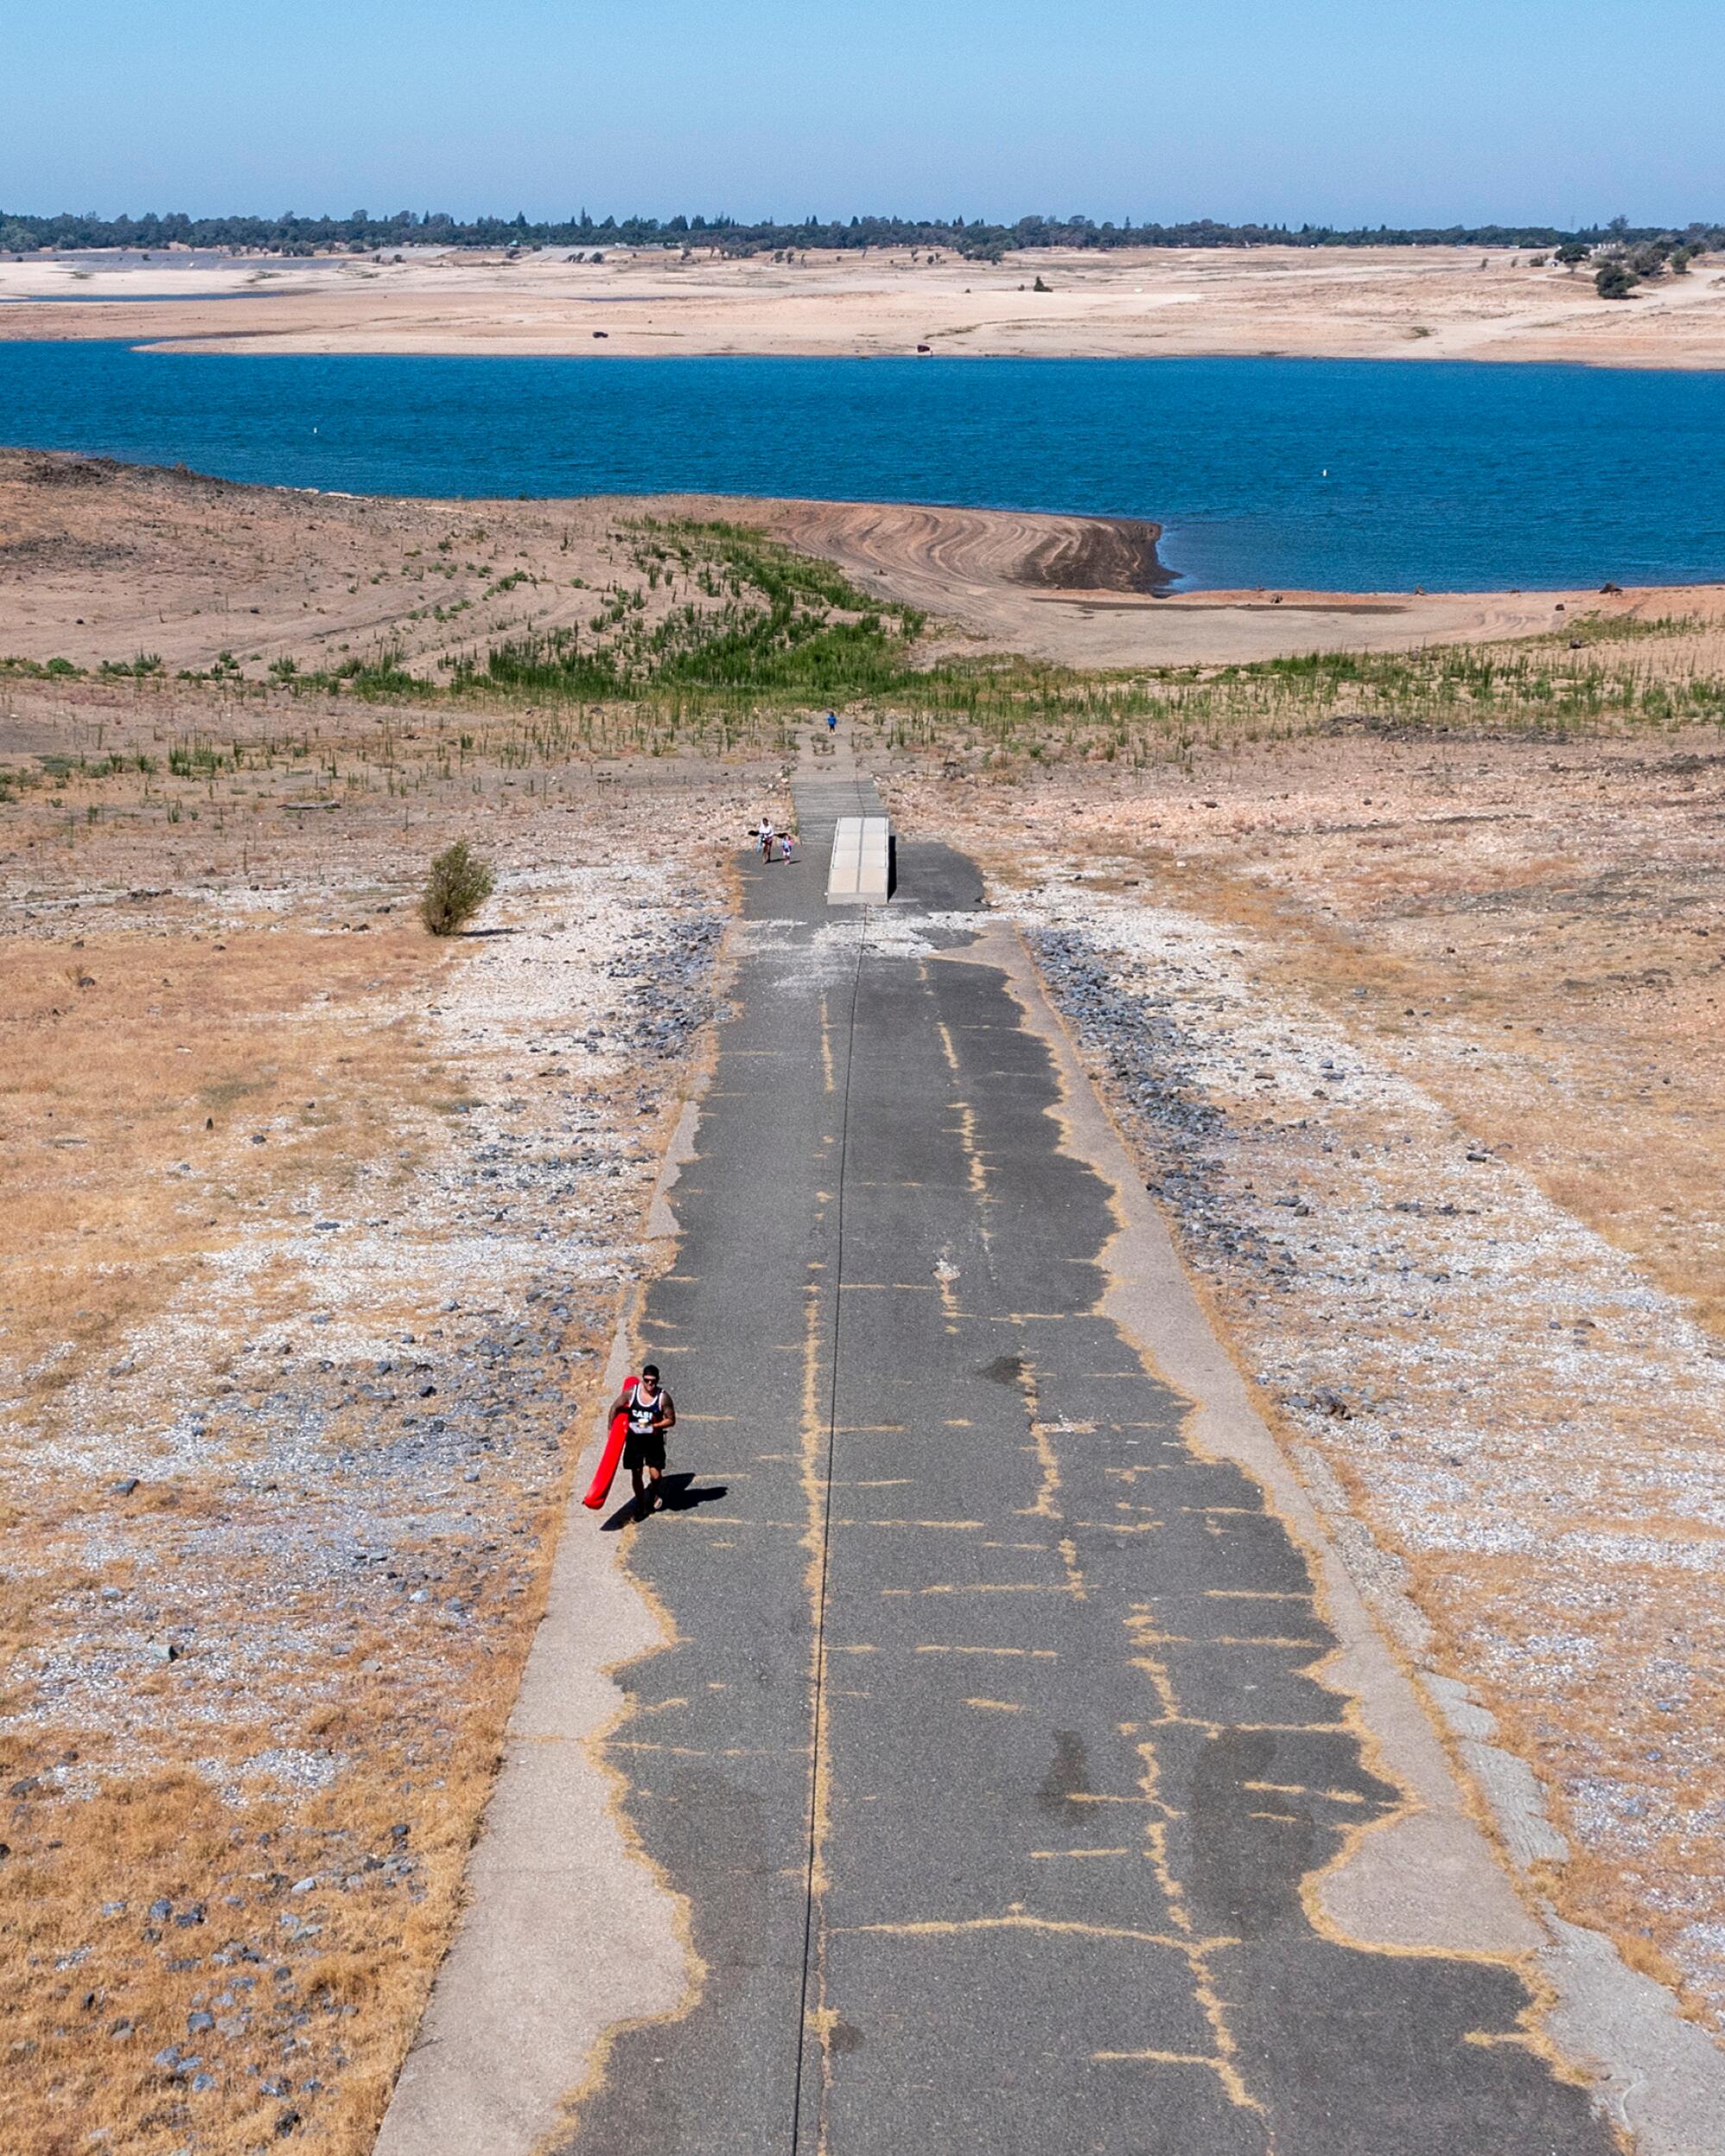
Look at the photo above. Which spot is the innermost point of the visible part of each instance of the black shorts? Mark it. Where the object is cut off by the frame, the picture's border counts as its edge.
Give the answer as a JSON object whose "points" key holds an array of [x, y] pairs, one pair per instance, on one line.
{"points": [[644, 1452]]}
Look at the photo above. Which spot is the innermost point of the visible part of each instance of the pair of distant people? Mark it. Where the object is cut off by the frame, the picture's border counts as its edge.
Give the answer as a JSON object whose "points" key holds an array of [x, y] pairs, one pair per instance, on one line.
{"points": [[775, 846], [781, 846]]}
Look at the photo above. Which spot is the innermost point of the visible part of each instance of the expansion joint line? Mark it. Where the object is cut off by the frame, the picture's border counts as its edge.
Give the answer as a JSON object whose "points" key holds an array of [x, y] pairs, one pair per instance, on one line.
{"points": [[817, 1724]]}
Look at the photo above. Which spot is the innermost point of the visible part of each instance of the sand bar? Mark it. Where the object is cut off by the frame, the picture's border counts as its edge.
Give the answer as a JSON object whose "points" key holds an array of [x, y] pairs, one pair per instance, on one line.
{"points": [[1348, 303]]}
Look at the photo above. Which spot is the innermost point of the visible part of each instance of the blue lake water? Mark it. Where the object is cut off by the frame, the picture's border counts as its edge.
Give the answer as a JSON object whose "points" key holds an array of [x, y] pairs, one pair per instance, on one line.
{"points": [[1334, 474]]}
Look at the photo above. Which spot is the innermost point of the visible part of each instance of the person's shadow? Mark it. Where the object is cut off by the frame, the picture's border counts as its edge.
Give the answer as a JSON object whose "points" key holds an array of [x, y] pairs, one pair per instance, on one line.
{"points": [[677, 1493]]}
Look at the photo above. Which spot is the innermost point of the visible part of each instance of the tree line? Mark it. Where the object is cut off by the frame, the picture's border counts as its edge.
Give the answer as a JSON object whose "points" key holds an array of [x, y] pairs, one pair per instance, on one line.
{"points": [[21, 232]]}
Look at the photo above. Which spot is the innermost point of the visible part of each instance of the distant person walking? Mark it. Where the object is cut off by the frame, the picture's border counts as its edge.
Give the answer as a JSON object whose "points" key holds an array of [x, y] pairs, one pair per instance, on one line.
{"points": [[765, 836], [832, 722], [786, 845], [650, 1415]]}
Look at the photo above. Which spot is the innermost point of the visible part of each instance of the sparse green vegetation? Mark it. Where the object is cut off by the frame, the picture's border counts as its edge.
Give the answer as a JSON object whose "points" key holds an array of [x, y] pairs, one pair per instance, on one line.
{"points": [[41, 669], [740, 682], [785, 626]]}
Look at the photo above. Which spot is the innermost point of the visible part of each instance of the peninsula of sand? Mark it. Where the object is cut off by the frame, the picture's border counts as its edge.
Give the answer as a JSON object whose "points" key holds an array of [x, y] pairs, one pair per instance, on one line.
{"points": [[296, 580], [1341, 302]]}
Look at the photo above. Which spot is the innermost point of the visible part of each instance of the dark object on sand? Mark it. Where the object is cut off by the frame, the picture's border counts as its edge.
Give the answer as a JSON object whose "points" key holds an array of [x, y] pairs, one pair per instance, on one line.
{"points": [[601, 332], [1616, 588]]}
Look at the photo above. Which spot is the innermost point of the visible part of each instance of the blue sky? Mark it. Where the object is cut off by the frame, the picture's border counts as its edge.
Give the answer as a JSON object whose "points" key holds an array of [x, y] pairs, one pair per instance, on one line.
{"points": [[1339, 110]]}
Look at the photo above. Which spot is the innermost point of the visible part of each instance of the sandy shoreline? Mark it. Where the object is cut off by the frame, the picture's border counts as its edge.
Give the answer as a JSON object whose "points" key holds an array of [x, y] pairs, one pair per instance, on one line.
{"points": [[100, 560], [1340, 303], [991, 574]]}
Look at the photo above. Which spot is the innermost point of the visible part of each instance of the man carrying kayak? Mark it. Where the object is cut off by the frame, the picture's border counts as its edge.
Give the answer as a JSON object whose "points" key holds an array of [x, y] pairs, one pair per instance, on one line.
{"points": [[651, 1414]]}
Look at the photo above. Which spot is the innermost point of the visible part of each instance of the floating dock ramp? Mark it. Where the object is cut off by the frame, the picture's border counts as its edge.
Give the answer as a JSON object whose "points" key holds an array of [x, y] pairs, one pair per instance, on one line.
{"points": [[862, 871]]}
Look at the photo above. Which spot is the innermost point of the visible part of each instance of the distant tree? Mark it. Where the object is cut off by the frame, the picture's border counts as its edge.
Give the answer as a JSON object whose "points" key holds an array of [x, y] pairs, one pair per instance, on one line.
{"points": [[1572, 254], [294, 232], [1614, 280], [1650, 258]]}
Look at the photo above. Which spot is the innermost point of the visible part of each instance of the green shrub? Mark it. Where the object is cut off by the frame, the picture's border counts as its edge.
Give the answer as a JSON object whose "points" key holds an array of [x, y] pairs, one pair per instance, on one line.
{"points": [[458, 885], [1615, 280]]}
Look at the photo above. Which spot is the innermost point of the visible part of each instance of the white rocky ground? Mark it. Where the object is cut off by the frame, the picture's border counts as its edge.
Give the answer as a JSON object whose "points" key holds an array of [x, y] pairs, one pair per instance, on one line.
{"points": [[1532, 1433], [279, 1540]]}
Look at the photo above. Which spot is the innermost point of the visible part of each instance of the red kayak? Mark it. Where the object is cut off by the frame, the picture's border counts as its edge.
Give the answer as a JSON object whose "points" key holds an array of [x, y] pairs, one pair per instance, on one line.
{"points": [[606, 1471]]}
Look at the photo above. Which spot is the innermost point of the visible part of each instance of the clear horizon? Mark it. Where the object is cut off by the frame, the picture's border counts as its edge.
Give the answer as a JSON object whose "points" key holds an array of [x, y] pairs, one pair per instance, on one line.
{"points": [[1340, 114]]}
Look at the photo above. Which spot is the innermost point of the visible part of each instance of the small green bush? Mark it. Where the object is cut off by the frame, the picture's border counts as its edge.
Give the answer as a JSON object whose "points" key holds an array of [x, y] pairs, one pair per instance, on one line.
{"points": [[458, 885]]}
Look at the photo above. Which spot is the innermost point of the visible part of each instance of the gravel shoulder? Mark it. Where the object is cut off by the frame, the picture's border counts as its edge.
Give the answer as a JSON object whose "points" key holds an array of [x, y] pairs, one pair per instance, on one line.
{"points": [[1432, 1153], [318, 1234]]}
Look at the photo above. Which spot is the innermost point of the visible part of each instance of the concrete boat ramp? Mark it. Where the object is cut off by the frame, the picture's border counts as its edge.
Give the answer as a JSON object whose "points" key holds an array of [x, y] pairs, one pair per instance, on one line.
{"points": [[994, 1758]]}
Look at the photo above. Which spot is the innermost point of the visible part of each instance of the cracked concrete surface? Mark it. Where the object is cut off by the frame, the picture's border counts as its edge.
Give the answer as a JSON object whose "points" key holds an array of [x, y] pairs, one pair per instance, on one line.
{"points": [[1014, 1739]]}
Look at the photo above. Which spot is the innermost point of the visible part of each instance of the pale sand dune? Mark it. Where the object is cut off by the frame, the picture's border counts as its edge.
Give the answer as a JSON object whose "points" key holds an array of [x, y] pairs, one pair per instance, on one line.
{"points": [[1388, 303]]}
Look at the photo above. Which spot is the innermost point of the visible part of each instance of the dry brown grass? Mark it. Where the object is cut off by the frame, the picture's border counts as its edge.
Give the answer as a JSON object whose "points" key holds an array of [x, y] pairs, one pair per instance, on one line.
{"points": [[198, 965], [1563, 968], [136, 1048], [150, 1051]]}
